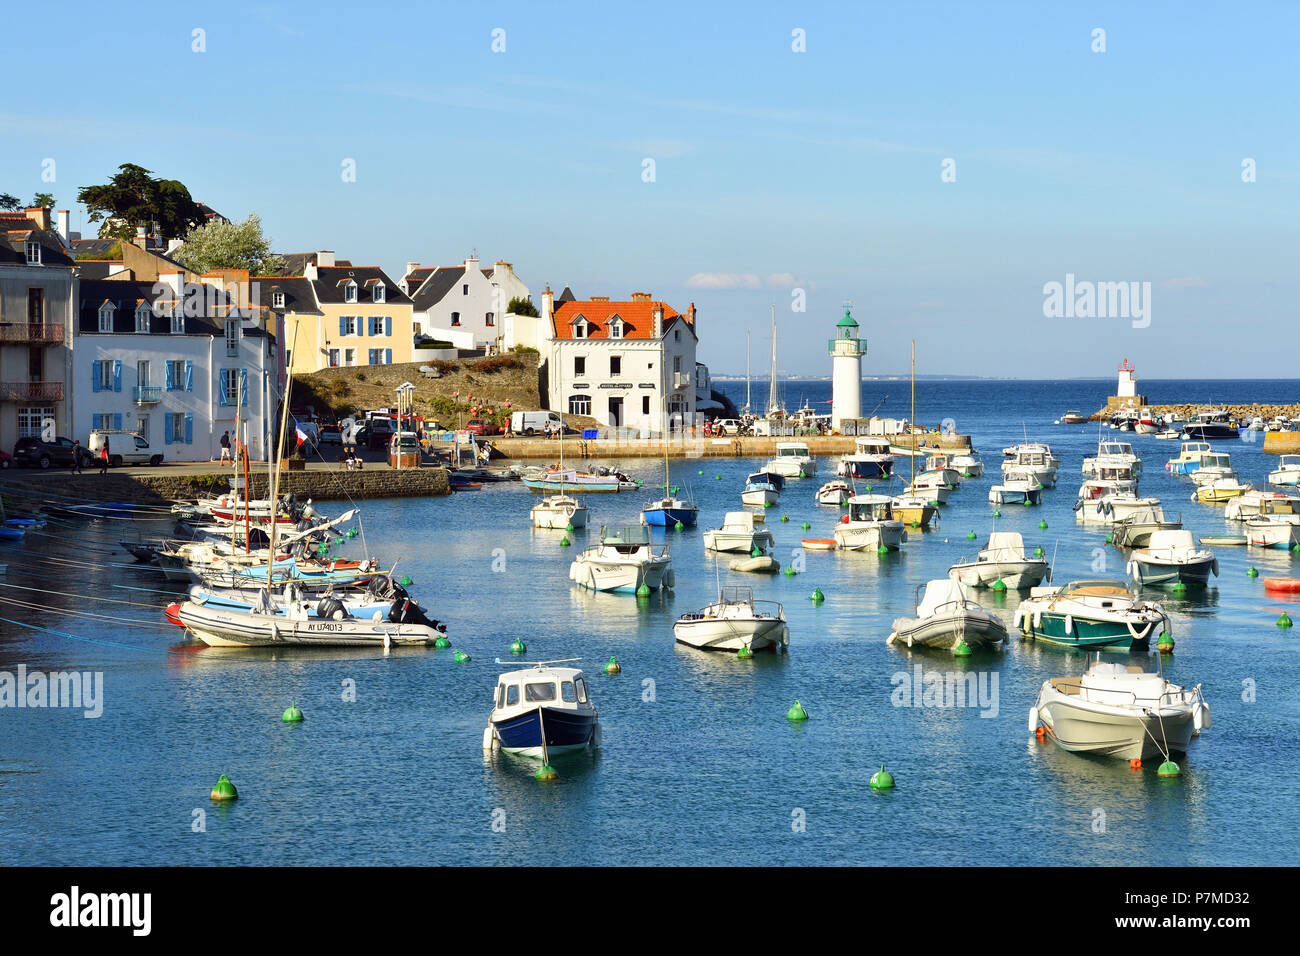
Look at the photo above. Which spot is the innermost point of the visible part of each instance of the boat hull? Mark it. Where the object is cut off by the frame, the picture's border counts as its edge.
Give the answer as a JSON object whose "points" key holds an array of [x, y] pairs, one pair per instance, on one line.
{"points": [[1119, 735], [732, 634], [865, 468], [669, 517], [870, 537], [230, 628], [1156, 573], [1064, 630], [1016, 575], [947, 631], [599, 574], [737, 541], [566, 730]]}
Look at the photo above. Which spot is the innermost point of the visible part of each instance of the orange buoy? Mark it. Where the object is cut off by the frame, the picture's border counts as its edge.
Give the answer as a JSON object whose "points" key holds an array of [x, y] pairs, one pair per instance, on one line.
{"points": [[173, 614], [844, 519], [1135, 764], [1041, 733]]}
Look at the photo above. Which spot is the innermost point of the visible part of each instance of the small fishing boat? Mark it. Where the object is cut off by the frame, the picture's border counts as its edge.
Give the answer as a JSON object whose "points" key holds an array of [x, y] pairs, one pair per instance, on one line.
{"points": [[1220, 490], [1224, 540], [1090, 614], [1287, 471], [541, 710], [946, 617], [734, 621], [793, 460], [1273, 531], [738, 534], [623, 561], [1135, 530], [1034, 458], [1172, 557], [1188, 457], [1116, 509], [940, 465], [669, 511], [834, 492], [1260, 503], [870, 525], [1017, 488], [559, 512], [1112, 452], [1111, 481], [1212, 465], [915, 511], [819, 544], [1120, 710], [929, 486], [1073, 417], [577, 482], [1210, 425], [870, 458], [968, 465], [275, 623], [760, 489], [1002, 559]]}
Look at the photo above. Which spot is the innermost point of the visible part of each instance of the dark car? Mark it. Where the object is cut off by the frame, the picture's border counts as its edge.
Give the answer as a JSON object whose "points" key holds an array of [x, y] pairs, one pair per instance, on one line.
{"points": [[481, 426], [6, 459], [330, 435], [29, 452]]}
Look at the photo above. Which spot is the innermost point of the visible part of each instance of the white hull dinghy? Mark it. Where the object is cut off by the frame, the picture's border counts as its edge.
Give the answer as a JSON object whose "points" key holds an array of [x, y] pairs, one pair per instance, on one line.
{"points": [[559, 512], [738, 534], [946, 617], [734, 621], [870, 525], [1005, 560], [1172, 557], [1017, 488], [623, 561], [793, 460], [834, 492], [1120, 710]]}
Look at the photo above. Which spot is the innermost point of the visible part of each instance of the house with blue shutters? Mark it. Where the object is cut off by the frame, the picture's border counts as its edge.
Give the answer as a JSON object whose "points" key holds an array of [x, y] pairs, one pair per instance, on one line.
{"points": [[173, 362]]}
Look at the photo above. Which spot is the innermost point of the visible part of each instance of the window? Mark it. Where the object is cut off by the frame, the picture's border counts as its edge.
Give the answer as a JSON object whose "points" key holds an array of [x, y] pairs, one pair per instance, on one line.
{"points": [[105, 376], [645, 404], [350, 292], [616, 328], [487, 318], [288, 358], [376, 325], [36, 306], [579, 404], [349, 325], [349, 357], [512, 695], [334, 358], [106, 421], [579, 365], [180, 376], [35, 362], [33, 253], [501, 695], [179, 428], [277, 300], [231, 383], [464, 290], [380, 293], [31, 421], [106, 317], [567, 692], [142, 373], [142, 431], [381, 356], [142, 318], [539, 692], [582, 691], [615, 365], [677, 363], [455, 318], [178, 322], [580, 328], [677, 336], [232, 336]]}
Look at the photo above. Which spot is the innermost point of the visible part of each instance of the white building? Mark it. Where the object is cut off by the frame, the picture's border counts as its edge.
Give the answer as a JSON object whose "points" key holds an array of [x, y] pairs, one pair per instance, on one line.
{"points": [[170, 361], [1128, 383], [466, 305], [622, 363], [846, 351]]}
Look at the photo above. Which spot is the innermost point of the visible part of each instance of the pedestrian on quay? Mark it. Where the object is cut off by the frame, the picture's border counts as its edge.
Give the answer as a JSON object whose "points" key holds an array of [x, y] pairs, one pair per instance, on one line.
{"points": [[103, 457], [225, 449], [76, 456]]}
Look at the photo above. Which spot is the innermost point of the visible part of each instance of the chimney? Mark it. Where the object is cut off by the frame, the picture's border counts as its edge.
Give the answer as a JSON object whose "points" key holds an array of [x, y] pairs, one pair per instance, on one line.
{"points": [[39, 216], [176, 282], [325, 259], [411, 267], [640, 296], [548, 303], [600, 298], [690, 316], [141, 234], [64, 225], [659, 321]]}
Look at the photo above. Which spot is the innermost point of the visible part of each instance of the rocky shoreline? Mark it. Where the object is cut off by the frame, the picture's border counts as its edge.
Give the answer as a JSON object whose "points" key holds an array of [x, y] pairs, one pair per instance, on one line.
{"points": [[1242, 413]]}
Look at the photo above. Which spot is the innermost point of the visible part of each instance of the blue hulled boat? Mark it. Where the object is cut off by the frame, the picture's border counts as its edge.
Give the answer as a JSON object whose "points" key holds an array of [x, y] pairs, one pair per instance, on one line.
{"points": [[542, 710], [666, 512]]}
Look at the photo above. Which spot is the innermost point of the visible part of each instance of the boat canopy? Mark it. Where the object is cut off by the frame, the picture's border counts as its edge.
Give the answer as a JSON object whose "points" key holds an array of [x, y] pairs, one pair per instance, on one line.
{"points": [[1171, 541], [1005, 546], [939, 592]]}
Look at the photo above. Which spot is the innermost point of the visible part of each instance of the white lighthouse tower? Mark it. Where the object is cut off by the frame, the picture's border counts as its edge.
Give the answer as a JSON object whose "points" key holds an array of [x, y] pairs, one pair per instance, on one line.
{"points": [[846, 351]]}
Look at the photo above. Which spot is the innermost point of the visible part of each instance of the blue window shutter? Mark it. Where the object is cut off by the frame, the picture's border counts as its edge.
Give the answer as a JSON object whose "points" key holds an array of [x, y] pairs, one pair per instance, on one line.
{"points": [[171, 379], [95, 368], [221, 389], [189, 376], [343, 325], [167, 431], [388, 356], [388, 325], [243, 386], [117, 376], [189, 429], [117, 421]]}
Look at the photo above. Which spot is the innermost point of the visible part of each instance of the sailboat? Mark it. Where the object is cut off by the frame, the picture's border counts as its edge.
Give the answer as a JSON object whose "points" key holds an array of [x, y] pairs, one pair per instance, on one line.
{"points": [[669, 510], [560, 510], [915, 506]]}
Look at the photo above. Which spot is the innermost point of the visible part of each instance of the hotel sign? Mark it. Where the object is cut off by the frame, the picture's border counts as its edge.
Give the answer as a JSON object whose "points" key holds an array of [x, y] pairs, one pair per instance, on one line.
{"points": [[615, 384]]}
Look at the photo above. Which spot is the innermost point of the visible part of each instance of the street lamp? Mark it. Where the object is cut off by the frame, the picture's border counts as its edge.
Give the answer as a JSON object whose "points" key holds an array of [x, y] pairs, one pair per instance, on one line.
{"points": [[405, 400]]}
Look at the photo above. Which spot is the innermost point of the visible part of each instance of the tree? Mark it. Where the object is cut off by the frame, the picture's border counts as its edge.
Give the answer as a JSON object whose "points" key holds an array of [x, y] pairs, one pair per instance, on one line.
{"points": [[133, 197], [10, 202], [229, 245], [521, 306], [43, 200]]}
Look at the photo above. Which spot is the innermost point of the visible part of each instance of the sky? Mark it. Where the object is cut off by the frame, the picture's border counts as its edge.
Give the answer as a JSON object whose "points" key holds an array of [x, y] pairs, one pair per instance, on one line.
{"points": [[939, 165]]}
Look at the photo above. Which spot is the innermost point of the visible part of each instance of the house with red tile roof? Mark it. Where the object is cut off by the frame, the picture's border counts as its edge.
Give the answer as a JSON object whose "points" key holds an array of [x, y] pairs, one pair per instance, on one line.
{"points": [[626, 363]]}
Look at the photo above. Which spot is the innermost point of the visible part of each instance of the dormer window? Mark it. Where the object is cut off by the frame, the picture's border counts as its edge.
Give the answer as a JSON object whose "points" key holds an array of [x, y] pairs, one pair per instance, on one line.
{"points": [[33, 253], [142, 317], [580, 328], [106, 317], [178, 322], [350, 292], [616, 327], [379, 293], [277, 299]]}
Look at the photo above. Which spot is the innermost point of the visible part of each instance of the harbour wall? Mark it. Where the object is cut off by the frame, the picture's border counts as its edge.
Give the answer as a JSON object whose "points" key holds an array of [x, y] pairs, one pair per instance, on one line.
{"points": [[576, 449]]}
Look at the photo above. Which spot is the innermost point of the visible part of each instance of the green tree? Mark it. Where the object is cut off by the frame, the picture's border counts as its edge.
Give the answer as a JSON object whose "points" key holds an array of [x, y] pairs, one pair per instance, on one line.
{"points": [[229, 245], [522, 306], [133, 197], [43, 200], [10, 202]]}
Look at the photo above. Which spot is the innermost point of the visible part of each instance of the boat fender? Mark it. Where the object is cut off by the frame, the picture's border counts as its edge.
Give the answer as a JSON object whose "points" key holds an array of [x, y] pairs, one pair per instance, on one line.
{"points": [[670, 579], [1214, 566], [1017, 619], [1033, 719], [1069, 624], [1038, 620], [1131, 569], [1078, 505]]}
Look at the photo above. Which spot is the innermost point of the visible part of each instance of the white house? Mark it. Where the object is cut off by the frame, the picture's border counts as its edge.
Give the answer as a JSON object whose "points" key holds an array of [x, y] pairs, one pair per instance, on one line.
{"points": [[172, 362], [624, 364], [466, 305]]}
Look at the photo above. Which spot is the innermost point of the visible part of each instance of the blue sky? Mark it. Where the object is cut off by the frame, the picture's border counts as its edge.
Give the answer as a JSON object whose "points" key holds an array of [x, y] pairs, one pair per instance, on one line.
{"points": [[774, 169]]}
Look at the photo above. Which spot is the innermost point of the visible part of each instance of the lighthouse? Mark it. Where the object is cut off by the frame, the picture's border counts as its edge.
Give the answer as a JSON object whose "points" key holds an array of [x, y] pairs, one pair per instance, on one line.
{"points": [[846, 351], [1127, 390]]}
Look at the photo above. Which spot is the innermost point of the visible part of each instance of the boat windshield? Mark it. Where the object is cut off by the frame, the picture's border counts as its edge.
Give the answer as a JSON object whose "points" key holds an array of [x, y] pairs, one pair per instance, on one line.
{"points": [[538, 692], [738, 595], [631, 535]]}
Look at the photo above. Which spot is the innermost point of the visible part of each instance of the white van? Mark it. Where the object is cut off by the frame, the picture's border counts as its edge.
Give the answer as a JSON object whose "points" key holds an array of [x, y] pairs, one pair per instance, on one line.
{"points": [[124, 448], [533, 423]]}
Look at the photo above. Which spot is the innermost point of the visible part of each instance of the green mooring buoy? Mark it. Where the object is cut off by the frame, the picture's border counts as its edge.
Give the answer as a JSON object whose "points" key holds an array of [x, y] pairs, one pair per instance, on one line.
{"points": [[224, 790], [744, 653], [788, 572], [1168, 769], [1284, 620], [882, 779], [796, 712], [565, 542], [292, 714], [999, 585], [517, 646], [643, 590], [612, 667], [805, 526], [1165, 643], [569, 527], [1042, 525], [996, 513], [441, 643], [545, 772], [1252, 572], [678, 526], [461, 657], [784, 518], [817, 597], [961, 650], [757, 552], [970, 535], [404, 581]]}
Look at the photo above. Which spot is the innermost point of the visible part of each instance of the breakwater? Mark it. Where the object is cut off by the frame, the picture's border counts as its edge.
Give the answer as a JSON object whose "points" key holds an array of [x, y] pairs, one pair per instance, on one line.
{"points": [[698, 446], [1242, 412]]}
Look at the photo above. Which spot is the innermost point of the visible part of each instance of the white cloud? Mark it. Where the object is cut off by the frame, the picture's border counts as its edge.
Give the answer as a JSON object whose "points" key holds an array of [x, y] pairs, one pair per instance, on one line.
{"points": [[781, 280], [723, 280]]}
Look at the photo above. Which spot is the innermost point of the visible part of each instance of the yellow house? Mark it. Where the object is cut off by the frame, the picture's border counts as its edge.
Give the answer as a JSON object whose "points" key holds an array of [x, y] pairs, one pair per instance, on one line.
{"points": [[337, 314]]}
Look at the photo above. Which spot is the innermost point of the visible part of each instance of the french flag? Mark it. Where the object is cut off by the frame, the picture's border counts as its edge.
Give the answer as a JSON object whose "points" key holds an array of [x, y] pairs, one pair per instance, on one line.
{"points": [[302, 435]]}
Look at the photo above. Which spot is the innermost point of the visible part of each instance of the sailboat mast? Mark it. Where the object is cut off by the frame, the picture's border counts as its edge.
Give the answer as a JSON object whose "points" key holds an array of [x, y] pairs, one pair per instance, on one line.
{"points": [[275, 464], [912, 458], [234, 485], [771, 382], [747, 405]]}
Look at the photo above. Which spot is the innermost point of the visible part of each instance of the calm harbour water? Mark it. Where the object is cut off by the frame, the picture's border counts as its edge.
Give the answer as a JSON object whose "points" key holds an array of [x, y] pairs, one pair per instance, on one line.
{"points": [[698, 767]]}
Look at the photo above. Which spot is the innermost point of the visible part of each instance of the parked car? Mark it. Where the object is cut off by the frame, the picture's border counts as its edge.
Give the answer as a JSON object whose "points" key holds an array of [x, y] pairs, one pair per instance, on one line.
{"points": [[533, 423], [331, 435], [124, 448], [6, 460], [728, 426], [32, 452], [481, 426]]}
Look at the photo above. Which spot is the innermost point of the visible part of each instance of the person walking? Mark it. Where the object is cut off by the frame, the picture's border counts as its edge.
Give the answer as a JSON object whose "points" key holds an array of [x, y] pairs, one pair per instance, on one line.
{"points": [[103, 457], [225, 449], [76, 457]]}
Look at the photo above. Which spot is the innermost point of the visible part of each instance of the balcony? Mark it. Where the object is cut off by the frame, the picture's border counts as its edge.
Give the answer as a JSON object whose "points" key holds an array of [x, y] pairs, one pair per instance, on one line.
{"points": [[31, 391], [148, 394], [31, 333]]}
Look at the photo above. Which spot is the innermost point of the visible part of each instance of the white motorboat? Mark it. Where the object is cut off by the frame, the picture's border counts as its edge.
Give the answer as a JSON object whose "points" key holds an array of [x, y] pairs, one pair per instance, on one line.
{"points": [[929, 486], [275, 623], [871, 458], [1260, 503], [1115, 508], [1273, 531], [1011, 454], [762, 488], [834, 492], [1287, 471], [1188, 457], [738, 534], [1120, 710], [1034, 460], [623, 561], [733, 621], [793, 460], [940, 464], [1211, 466], [870, 525], [1111, 452], [915, 511], [1003, 559], [1220, 490], [1172, 557], [559, 512], [1090, 615], [1135, 530], [1017, 488], [1117, 481], [968, 465], [946, 617], [542, 710]]}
